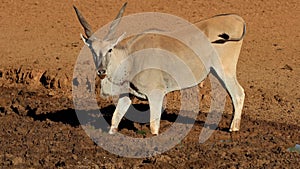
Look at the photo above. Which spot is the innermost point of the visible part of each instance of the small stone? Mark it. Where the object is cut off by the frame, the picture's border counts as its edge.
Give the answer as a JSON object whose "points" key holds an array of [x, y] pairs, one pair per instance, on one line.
{"points": [[95, 166], [287, 67], [17, 161], [74, 157], [19, 109], [51, 93]]}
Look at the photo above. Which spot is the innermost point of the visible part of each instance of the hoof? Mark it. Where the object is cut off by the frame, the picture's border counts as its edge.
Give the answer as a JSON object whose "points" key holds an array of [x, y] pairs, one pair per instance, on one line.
{"points": [[113, 131], [235, 126], [234, 129], [201, 84], [154, 133]]}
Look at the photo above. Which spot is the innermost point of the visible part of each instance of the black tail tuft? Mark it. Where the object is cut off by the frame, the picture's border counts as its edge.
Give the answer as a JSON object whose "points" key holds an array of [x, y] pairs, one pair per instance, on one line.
{"points": [[224, 36]]}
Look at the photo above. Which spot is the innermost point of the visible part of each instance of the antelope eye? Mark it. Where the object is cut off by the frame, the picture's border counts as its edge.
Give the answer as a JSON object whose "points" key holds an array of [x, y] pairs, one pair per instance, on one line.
{"points": [[109, 51]]}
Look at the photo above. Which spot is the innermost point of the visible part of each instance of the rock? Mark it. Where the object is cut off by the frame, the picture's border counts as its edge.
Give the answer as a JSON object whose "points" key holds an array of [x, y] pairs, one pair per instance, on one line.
{"points": [[51, 93], [19, 109], [95, 166], [17, 161], [287, 67], [75, 157]]}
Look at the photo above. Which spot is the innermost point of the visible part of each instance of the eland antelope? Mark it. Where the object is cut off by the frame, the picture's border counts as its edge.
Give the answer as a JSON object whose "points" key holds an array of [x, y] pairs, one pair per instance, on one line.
{"points": [[225, 32]]}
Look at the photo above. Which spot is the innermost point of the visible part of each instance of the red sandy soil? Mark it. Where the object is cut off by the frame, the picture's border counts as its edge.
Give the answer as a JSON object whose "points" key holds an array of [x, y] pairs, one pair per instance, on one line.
{"points": [[39, 129]]}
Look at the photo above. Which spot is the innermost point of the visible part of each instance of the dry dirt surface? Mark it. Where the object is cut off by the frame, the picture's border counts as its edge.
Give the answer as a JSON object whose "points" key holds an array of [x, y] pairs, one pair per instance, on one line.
{"points": [[38, 125]]}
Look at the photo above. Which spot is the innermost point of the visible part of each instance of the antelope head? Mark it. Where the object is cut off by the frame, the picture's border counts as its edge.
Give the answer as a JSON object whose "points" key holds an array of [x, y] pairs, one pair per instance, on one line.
{"points": [[101, 49]]}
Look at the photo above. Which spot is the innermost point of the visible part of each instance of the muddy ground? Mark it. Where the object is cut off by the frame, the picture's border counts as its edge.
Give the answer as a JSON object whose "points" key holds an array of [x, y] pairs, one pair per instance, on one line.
{"points": [[39, 128]]}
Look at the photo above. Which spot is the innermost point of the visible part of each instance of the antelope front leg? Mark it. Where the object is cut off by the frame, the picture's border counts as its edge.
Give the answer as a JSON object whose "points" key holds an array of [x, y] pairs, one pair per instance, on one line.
{"points": [[155, 102], [122, 106]]}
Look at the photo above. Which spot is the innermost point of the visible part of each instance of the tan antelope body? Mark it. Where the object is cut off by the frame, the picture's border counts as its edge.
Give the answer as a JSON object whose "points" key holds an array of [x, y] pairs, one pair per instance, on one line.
{"points": [[153, 84]]}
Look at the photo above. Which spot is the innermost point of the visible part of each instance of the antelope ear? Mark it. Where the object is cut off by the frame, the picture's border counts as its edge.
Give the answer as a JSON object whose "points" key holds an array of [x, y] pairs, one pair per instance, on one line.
{"points": [[115, 23], [87, 28], [85, 40], [119, 39]]}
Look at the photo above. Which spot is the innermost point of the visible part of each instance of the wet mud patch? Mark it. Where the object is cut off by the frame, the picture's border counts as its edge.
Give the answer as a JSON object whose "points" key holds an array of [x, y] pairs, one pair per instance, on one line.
{"points": [[40, 43], [35, 78]]}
